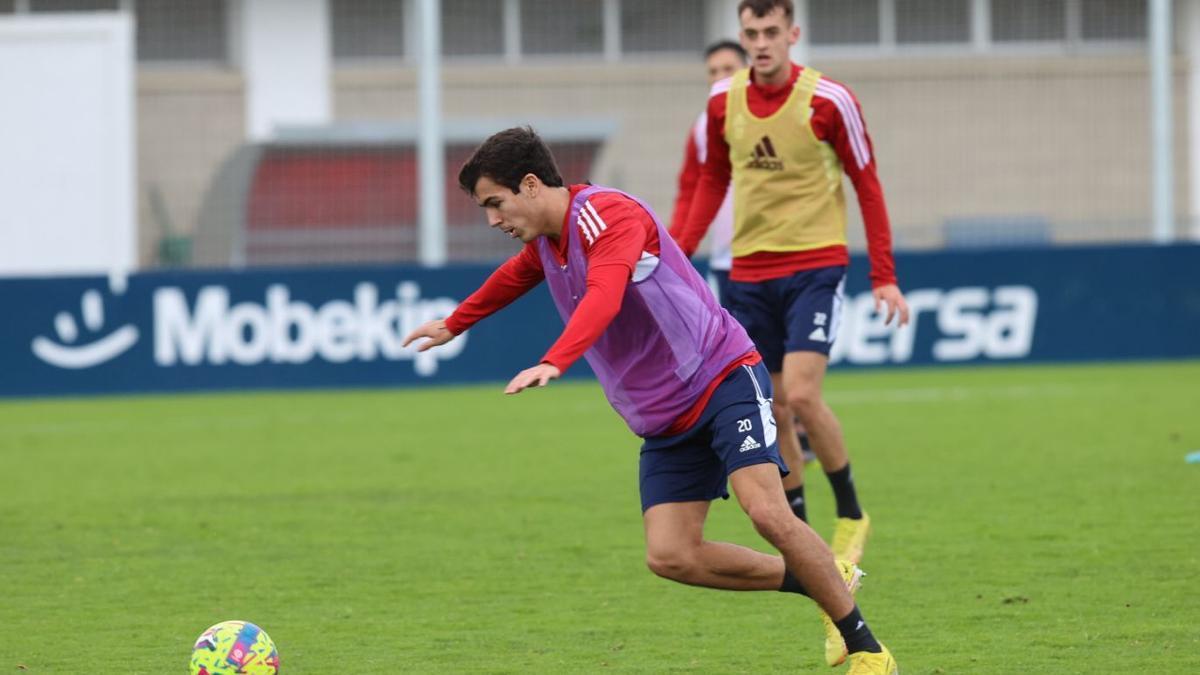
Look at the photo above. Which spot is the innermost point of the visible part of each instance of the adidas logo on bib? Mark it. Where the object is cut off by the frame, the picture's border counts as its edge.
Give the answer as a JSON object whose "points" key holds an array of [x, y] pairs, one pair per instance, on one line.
{"points": [[765, 157], [749, 444]]}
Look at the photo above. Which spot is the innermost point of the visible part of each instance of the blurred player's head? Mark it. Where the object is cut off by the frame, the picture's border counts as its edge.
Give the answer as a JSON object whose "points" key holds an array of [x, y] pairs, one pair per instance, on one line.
{"points": [[768, 32], [723, 59], [511, 176]]}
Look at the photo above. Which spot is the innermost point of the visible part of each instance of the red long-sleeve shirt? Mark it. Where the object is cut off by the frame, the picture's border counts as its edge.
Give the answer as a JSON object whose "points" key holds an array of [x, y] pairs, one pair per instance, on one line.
{"points": [[836, 120], [689, 178], [626, 231]]}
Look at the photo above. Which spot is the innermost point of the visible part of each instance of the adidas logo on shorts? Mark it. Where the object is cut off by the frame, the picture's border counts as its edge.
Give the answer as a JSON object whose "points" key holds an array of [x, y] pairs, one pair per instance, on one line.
{"points": [[749, 444]]}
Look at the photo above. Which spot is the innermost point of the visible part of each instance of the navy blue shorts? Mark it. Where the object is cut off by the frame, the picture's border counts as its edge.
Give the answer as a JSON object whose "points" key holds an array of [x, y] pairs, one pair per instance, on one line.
{"points": [[797, 313], [735, 430]]}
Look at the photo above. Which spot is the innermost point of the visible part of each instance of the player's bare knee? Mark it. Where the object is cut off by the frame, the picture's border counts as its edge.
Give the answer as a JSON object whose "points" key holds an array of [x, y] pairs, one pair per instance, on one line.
{"points": [[803, 400], [673, 565], [781, 410], [772, 520]]}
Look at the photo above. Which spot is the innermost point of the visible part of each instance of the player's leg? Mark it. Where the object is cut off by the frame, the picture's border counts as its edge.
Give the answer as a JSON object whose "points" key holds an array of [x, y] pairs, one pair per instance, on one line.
{"points": [[726, 431], [809, 562], [679, 476], [803, 380], [676, 550], [802, 438], [804, 373], [789, 448], [812, 320], [757, 306], [811, 316], [736, 439], [805, 555]]}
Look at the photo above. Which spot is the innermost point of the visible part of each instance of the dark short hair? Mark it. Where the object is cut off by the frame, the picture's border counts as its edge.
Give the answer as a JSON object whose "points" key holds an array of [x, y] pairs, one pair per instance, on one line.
{"points": [[761, 8], [722, 46], [507, 157]]}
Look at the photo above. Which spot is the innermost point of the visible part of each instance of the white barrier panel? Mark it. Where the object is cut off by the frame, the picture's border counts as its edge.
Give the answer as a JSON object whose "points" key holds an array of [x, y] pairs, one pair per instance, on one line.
{"points": [[67, 144]]}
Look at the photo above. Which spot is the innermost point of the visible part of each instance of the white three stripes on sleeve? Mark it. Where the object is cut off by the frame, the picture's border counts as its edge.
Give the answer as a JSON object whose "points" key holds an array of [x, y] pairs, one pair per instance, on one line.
{"points": [[720, 87], [700, 137], [590, 222], [855, 128]]}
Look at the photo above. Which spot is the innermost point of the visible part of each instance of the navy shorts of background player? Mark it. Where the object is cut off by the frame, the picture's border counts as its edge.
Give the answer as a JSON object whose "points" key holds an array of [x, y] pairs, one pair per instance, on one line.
{"points": [[735, 430], [719, 280], [796, 313]]}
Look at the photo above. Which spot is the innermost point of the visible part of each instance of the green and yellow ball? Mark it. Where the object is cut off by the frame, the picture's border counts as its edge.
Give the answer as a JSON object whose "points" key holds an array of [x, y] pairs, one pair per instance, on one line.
{"points": [[234, 647]]}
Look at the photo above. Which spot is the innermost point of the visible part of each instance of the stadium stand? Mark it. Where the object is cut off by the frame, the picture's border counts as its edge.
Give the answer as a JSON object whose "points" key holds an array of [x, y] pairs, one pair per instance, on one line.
{"points": [[346, 193]]}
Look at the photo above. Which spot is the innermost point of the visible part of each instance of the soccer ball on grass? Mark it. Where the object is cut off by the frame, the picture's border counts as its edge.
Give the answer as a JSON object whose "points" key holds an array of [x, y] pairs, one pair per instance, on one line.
{"points": [[234, 647]]}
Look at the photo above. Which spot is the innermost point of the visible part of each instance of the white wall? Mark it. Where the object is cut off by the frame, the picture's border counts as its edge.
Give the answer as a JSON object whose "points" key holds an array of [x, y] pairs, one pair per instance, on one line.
{"points": [[67, 181], [284, 49]]}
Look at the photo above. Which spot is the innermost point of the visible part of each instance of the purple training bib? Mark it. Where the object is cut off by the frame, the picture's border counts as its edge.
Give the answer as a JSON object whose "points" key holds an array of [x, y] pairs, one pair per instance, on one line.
{"points": [[671, 338]]}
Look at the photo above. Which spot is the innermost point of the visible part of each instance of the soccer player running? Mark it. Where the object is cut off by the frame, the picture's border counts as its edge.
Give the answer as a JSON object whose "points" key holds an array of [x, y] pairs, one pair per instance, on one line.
{"points": [[783, 134], [676, 366], [721, 60]]}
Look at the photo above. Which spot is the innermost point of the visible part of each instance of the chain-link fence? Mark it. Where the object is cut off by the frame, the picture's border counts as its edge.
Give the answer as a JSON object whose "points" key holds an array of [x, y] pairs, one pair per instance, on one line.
{"points": [[993, 121]]}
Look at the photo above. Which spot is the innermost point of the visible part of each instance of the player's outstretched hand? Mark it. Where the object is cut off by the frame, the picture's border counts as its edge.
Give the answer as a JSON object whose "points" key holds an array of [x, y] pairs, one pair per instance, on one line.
{"points": [[537, 376], [436, 331], [891, 297]]}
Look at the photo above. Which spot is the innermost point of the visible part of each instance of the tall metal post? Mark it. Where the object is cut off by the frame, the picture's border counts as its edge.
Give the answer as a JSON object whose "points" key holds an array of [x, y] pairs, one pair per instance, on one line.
{"points": [[1162, 122], [431, 157]]}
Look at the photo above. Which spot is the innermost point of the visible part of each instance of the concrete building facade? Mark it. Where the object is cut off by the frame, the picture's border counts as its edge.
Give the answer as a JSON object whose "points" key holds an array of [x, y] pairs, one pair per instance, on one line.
{"points": [[983, 111]]}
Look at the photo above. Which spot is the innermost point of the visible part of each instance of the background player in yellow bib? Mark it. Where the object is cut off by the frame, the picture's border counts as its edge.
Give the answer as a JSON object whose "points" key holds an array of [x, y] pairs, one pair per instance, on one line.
{"points": [[783, 135], [721, 60]]}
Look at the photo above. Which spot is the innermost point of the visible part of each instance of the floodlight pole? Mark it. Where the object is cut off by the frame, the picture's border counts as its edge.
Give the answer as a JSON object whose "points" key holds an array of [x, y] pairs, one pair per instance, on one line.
{"points": [[431, 157], [1162, 122]]}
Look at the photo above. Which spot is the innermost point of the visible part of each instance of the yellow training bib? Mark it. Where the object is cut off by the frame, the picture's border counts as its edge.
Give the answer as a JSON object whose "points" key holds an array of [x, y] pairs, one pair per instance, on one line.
{"points": [[787, 184]]}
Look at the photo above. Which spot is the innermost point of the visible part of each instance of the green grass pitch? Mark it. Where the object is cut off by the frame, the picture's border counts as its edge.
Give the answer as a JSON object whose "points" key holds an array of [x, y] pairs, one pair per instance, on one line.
{"points": [[1028, 520]]}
